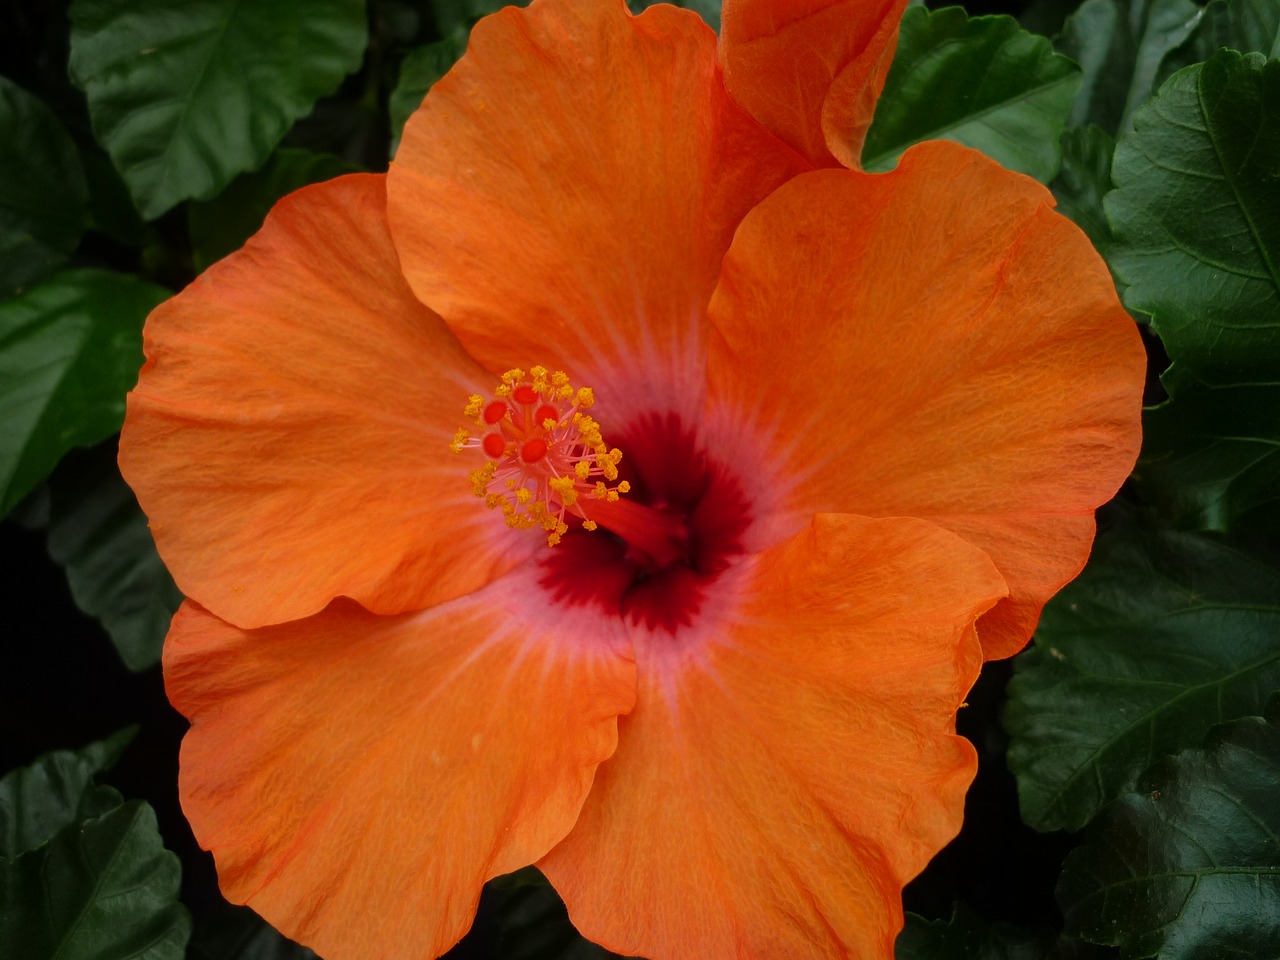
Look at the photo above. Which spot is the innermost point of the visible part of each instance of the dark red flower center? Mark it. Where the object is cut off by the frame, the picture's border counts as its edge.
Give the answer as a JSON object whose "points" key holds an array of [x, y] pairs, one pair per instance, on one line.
{"points": [[660, 549]]}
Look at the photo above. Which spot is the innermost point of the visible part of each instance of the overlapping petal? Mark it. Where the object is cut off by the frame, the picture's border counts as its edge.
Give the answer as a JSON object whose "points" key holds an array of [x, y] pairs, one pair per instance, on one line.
{"points": [[811, 70], [288, 437], [565, 195], [936, 342], [359, 777], [773, 790]]}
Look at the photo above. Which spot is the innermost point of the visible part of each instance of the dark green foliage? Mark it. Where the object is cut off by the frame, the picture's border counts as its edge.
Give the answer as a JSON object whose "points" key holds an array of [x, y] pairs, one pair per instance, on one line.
{"points": [[176, 133], [980, 81], [966, 936], [1120, 45], [1164, 635], [98, 534], [42, 191], [69, 349], [1187, 865], [1196, 216]]}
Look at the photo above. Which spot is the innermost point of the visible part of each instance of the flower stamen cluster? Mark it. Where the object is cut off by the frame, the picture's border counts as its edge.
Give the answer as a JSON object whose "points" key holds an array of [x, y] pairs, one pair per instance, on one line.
{"points": [[546, 454]]}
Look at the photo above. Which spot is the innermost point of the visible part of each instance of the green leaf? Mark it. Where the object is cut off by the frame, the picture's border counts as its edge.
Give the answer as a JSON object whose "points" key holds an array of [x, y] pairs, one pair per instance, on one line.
{"points": [[981, 81], [1187, 865], [1162, 636], [99, 890], [69, 350], [1084, 180], [1196, 218], [186, 95], [43, 194], [1250, 26], [418, 73], [99, 535], [1120, 44], [57, 790], [708, 10], [222, 225], [966, 936], [237, 933]]}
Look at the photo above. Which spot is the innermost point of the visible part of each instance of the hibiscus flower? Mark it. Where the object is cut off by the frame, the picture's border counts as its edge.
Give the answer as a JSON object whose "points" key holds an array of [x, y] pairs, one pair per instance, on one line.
{"points": [[863, 422]]}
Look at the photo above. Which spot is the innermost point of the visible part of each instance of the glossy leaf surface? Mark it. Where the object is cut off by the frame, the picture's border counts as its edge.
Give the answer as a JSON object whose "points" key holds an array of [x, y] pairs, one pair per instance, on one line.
{"points": [[55, 791], [99, 890], [1187, 865], [1164, 635], [174, 132], [69, 350], [981, 81], [1196, 216]]}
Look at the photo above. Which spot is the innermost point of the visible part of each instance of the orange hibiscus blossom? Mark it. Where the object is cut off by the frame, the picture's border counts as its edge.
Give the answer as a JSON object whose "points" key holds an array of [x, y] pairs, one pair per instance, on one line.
{"points": [[863, 422]]}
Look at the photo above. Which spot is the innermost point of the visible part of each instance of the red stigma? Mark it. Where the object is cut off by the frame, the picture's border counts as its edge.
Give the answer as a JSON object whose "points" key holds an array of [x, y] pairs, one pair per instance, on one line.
{"points": [[533, 450], [525, 394], [495, 411], [494, 445]]}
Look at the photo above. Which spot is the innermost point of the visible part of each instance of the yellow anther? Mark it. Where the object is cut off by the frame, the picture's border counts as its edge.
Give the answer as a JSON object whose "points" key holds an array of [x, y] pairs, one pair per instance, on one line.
{"points": [[539, 471], [624, 487]]}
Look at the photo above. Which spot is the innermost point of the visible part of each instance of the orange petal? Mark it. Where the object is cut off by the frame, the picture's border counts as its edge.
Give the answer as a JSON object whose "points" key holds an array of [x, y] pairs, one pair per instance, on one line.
{"points": [[774, 790], [358, 777], [951, 349], [811, 70], [289, 435], [565, 195]]}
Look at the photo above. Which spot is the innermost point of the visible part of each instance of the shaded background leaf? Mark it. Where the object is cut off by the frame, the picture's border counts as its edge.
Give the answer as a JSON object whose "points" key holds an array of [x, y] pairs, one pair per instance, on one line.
{"points": [[222, 225], [1084, 181], [1196, 218], [418, 73], [175, 132], [1164, 635], [1120, 45], [966, 936], [1250, 26], [69, 350], [1187, 866], [104, 888], [99, 535], [55, 791], [981, 81], [43, 194]]}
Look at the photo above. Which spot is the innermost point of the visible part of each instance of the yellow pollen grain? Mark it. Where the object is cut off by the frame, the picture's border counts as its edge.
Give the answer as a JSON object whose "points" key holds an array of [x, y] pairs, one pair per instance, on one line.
{"points": [[542, 493]]}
